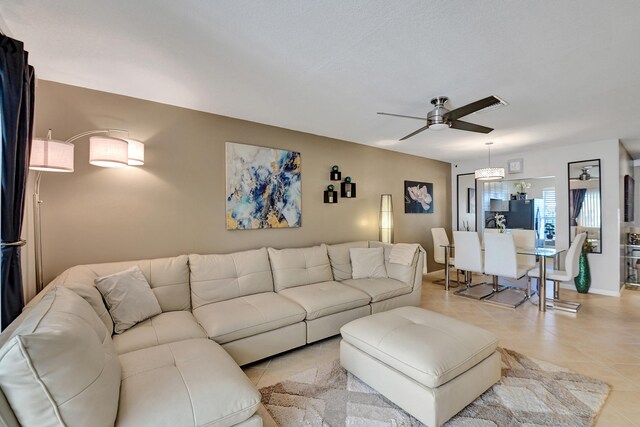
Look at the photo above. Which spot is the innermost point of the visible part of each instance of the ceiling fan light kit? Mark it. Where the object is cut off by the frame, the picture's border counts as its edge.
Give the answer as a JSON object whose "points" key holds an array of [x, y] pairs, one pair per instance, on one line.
{"points": [[441, 118], [489, 173]]}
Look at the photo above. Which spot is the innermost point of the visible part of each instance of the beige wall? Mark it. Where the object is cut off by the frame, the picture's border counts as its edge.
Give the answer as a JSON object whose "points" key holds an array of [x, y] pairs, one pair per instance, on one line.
{"points": [[175, 203]]}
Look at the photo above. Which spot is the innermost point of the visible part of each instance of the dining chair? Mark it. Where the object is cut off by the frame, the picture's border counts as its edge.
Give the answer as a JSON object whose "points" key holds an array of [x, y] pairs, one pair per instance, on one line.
{"points": [[569, 273], [501, 260], [469, 259], [441, 239]]}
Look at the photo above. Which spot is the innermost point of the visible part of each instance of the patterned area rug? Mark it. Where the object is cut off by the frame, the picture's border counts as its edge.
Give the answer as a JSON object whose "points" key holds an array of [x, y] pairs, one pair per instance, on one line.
{"points": [[530, 393]]}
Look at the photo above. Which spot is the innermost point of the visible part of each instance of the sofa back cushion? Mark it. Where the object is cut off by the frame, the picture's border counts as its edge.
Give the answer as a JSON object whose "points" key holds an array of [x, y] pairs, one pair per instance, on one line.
{"points": [[299, 266], [92, 295], [168, 278], [340, 259], [217, 278], [403, 273], [60, 367]]}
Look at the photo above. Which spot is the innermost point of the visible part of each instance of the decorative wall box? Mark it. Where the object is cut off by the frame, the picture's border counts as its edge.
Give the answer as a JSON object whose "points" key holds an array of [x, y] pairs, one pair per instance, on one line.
{"points": [[348, 190], [330, 196], [335, 174]]}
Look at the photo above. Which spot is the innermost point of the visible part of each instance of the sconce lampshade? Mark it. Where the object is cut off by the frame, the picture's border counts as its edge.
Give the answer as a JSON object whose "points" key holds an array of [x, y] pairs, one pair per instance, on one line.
{"points": [[136, 152], [108, 152], [50, 155], [386, 219]]}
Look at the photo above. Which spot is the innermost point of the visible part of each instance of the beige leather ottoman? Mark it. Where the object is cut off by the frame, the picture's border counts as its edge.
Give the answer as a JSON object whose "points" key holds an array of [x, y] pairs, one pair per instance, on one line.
{"points": [[430, 365]]}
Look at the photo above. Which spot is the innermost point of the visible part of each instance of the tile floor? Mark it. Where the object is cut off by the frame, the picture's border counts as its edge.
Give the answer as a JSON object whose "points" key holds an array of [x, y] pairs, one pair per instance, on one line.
{"points": [[602, 340]]}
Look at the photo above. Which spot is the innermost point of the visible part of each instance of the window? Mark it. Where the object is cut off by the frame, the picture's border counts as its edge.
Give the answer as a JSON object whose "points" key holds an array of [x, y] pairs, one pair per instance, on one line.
{"points": [[590, 212], [548, 211]]}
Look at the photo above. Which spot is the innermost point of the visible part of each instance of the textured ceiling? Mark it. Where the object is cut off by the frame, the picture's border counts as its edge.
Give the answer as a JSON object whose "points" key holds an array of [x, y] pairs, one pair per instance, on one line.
{"points": [[568, 69]]}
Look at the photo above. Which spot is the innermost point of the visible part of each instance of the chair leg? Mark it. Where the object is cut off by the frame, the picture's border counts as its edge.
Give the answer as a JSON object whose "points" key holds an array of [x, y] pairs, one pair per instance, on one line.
{"points": [[556, 289]]}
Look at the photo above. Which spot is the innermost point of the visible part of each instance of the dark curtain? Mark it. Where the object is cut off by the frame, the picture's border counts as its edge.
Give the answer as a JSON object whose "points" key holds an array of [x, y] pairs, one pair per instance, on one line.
{"points": [[577, 199], [17, 101]]}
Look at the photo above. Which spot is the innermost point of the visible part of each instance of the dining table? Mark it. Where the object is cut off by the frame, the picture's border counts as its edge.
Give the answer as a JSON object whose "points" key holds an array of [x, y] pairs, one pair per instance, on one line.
{"points": [[541, 253]]}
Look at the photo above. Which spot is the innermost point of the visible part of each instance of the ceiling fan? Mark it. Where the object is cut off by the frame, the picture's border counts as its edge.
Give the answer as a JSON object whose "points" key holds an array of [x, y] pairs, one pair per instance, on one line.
{"points": [[585, 175], [441, 118]]}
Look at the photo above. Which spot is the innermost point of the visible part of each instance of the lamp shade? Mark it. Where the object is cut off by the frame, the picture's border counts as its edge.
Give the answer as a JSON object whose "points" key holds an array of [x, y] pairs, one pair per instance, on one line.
{"points": [[136, 152], [50, 155], [489, 174], [108, 152], [386, 218]]}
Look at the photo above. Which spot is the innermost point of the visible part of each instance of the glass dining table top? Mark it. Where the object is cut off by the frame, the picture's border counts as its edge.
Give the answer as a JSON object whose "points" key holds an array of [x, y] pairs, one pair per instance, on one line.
{"points": [[545, 251]]}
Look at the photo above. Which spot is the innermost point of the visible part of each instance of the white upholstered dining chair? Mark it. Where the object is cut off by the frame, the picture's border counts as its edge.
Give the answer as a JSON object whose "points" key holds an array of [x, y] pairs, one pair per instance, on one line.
{"points": [[569, 273], [441, 239], [469, 259], [501, 260]]}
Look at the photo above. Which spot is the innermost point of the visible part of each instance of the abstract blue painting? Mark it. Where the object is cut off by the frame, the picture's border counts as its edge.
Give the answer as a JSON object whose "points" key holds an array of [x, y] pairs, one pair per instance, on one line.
{"points": [[263, 187]]}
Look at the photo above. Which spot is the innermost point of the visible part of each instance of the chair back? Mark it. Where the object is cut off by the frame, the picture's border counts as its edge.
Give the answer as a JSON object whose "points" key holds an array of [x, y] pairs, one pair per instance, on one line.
{"points": [[468, 252], [500, 255], [525, 239], [573, 255], [439, 238]]}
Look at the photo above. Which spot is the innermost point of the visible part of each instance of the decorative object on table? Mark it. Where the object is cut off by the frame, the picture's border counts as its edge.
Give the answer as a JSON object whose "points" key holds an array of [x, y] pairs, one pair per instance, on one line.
{"points": [[466, 226], [629, 186], [633, 236], [386, 218], [329, 395], [263, 187], [418, 197], [348, 188], [501, 222], [330, 195], [521, 188], [471, 200], [515, 166], [549, 230], [335, 174], [489, 173], [583, 279]]}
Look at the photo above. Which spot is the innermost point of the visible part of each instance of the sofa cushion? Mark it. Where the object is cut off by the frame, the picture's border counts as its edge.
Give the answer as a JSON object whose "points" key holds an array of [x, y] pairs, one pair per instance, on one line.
{"points": [[367, 263], [380, 289], [427, 347], [403, 273], [184, 384], [59, 367], [299, 266], [340, 258], [242, 317], [93, 296], [168, 278], [161, 329], [129, 298], [216, 278], [325, 298]]}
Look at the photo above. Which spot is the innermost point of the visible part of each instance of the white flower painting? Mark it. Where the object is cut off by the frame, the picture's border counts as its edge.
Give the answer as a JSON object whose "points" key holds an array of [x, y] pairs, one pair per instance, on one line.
{"points": [[418, 197]]}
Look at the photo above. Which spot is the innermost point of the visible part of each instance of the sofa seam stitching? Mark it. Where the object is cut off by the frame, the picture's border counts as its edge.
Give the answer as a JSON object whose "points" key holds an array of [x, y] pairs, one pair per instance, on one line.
{"points": [[175, 363]]}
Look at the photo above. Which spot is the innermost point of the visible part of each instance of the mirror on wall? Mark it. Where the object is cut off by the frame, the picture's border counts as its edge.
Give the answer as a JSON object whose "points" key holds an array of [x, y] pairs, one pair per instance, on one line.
{"points": [[466, 202], [585, 208], [527, 204]]}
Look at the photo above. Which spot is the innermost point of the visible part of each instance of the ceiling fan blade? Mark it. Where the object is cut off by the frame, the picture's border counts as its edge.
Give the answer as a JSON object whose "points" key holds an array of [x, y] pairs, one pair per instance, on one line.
{"points": [[471, 108], [415, 133], [471, 127], [400, 115]]}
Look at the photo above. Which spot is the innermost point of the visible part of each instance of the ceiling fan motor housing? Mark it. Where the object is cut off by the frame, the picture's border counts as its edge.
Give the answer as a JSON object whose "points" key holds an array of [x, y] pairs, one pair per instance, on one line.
{"points": [[435, 117]]}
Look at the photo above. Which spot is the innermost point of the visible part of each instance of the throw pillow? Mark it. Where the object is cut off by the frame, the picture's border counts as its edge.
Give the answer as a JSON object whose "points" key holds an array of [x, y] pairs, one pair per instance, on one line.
{"points": [[129, 298], [367, 263]]}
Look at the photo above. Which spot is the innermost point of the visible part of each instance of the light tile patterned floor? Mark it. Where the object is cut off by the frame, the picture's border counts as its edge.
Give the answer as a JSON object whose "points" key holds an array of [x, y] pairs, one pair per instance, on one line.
{"points": [[602, 340]]}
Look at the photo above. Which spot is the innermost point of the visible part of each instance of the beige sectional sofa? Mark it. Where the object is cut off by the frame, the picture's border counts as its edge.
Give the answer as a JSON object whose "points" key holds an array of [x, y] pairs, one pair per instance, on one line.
{"points": [[180, 367]]}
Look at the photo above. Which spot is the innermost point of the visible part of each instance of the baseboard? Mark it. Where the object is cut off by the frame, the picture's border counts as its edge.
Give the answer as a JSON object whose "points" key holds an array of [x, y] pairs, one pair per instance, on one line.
{"points": [[597, 291]]}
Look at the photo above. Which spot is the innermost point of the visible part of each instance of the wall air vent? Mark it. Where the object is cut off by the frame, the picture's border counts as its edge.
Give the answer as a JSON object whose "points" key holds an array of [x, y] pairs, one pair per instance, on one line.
{"points": [[501, 103]]}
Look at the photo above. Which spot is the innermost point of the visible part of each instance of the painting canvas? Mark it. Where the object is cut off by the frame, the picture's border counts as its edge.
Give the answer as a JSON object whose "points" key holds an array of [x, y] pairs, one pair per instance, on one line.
{"points": [[263, 187], [471, 200], [418, 197]]}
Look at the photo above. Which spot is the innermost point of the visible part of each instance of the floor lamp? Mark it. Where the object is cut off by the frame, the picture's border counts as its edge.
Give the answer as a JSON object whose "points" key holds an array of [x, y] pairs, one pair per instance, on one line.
{"points": [[386, 219], [50, 155]]}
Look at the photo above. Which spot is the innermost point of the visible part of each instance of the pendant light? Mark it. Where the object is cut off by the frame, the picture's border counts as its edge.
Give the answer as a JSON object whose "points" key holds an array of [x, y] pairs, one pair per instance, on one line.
{"points": [[489, 173]]}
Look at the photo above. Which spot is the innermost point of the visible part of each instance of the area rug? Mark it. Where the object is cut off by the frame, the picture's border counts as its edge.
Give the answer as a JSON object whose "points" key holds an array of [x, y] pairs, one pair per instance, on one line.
{"points": [[530, 393]]}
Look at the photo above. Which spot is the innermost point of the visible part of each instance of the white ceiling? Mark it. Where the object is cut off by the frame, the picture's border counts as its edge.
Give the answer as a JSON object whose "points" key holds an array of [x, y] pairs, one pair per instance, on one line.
{"points": [[568, 69]]}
